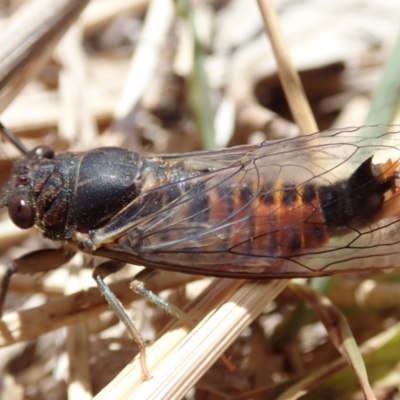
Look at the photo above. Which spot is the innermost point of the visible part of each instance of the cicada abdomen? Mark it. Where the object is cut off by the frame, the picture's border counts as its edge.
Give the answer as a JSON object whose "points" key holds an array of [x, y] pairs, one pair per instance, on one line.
{"points": [[304, 207], [290, 219]]}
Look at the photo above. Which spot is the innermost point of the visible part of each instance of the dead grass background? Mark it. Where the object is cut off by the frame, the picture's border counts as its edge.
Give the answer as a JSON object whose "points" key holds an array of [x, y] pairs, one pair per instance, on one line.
{"points": [[163, 77]]}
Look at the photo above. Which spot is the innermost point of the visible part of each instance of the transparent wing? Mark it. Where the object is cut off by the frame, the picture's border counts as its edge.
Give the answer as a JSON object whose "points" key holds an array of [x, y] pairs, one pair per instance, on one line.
{"points": [[260, 210]]}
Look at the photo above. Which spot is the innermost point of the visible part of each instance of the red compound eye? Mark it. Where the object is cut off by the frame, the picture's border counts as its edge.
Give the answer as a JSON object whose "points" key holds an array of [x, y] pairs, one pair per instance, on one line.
{"points": [[42, 152], [23, 181], [20, 212]]}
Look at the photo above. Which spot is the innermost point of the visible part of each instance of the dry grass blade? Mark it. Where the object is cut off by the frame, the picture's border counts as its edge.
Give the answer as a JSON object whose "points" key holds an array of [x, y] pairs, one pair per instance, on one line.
{"points": [[159, 20], [28, 40], [290, 79], [98, 14], [10, 234], [29, 324], [77, 307], [339, 332], [379, 352], [75, 119], [78, 349], [178, 359]]}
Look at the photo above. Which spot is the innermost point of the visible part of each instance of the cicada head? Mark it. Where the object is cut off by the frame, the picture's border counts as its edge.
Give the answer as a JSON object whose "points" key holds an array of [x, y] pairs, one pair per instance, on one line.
{"points": [[19, 193]]}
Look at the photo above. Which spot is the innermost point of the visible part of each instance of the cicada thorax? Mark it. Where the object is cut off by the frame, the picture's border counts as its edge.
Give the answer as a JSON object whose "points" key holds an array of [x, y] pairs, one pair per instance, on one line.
{"points": [[288, 218], [68, 192]]}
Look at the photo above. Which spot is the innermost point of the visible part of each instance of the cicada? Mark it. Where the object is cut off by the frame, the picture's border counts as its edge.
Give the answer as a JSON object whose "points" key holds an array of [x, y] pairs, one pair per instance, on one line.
{"points": [[302, 207]]}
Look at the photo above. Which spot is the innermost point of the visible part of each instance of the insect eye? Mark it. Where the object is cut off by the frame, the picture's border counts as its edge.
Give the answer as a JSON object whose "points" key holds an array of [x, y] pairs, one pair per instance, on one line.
{"points": [[43, 152], [20, 212]]}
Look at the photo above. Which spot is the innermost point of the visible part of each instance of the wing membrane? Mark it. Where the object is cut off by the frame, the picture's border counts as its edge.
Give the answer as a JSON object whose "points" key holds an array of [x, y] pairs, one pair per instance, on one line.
{"points": [[249, 208]]}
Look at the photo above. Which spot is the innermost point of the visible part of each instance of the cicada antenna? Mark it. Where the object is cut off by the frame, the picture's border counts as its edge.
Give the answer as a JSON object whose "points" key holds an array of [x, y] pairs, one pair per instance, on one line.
{"points": [[13, 139]]}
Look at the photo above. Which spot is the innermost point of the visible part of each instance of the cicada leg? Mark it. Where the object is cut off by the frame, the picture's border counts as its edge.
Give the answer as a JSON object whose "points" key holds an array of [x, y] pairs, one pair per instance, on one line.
{"points": [[138, 286], [37, 261], [101, 272]]}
